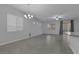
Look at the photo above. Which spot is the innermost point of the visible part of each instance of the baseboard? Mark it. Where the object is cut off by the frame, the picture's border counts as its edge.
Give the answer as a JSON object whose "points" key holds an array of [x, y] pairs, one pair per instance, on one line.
{"points": [[9, 42]]}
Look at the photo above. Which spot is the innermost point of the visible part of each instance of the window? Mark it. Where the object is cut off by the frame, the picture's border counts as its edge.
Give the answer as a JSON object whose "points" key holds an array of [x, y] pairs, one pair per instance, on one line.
{"points": [[51, 26], [14, 23], [19, 23]]}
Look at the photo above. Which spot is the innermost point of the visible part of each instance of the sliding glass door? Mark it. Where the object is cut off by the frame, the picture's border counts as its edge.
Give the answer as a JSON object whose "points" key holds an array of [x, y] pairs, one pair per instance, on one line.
{"points": [[66, 26]]}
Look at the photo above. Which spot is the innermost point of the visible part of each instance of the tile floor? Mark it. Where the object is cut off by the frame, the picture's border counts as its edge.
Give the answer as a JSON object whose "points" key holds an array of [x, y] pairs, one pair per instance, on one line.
{"points": [[43, 44]]}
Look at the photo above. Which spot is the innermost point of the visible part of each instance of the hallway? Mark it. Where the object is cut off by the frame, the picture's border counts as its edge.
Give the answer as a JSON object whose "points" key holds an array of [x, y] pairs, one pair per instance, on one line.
{"points": [[42, 44]]}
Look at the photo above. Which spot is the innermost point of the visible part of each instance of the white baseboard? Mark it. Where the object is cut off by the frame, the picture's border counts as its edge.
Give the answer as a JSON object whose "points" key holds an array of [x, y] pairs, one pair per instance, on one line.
{"points": [[4, 43], [9, 42]]}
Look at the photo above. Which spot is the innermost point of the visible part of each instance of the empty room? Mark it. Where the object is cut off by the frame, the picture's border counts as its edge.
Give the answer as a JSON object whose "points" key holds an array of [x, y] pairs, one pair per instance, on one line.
{"points": [[39, 28]]}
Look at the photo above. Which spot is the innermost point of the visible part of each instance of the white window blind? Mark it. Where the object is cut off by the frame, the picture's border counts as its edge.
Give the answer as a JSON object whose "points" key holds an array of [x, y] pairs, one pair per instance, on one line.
{"points": [[19, 23], [14, 23]]}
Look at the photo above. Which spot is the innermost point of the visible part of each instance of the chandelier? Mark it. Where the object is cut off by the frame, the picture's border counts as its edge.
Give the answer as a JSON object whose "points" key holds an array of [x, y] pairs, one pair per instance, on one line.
{"points": [[29, 15]]}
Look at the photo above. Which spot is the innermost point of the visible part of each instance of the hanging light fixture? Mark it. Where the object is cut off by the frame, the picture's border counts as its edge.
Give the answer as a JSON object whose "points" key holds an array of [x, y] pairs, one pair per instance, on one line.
{"points": [[57, 18], [29, 15], [25, 16]]}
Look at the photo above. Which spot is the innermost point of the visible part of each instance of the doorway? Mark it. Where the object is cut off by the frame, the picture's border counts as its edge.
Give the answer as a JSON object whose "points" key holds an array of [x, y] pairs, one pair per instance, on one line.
{"points": [[66, 26]]}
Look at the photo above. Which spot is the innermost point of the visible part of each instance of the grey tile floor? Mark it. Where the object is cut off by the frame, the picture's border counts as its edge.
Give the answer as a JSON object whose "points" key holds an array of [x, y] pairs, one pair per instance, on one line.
{"points": [[43, 44]]}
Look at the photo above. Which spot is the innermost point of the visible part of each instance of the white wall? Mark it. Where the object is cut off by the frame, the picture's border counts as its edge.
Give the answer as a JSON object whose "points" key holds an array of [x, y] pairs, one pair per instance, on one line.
{"points": [[47, 31], [74, 44], [6, 37], [76, 25], [35, 29]]}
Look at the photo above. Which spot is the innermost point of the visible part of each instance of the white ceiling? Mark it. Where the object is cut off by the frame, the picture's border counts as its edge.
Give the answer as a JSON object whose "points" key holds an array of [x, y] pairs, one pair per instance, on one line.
{"points": [[44, 12]]}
